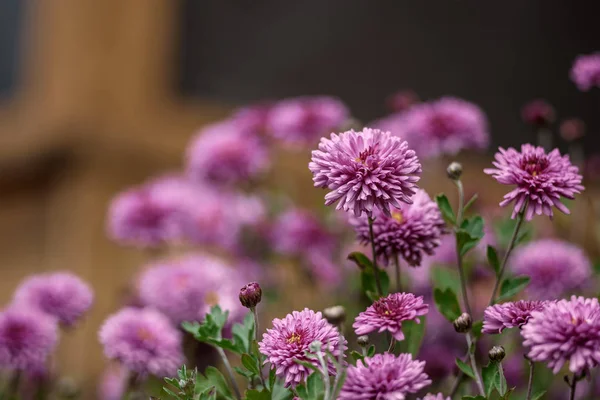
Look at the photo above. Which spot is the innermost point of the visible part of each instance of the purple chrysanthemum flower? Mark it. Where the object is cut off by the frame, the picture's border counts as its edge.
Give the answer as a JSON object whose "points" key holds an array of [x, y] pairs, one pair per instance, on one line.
{"points": [[555, 267], [566, 330], [541, 179], [365, 170], [289, 340], [498, 317], [586, 71], [444, 126], [303, 120], [27, 338], [385, 377], [297, 231], [410, 232], [438, 396], [143, 341], [252, 119], [185, 289], [113, 383], [61, 295], [223, 154], [388, 313], [538, 112]]}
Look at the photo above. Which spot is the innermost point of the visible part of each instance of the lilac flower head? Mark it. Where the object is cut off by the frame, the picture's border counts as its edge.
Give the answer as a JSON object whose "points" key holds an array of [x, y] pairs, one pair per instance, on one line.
{"points": [[222, 154], [555, 267], [61, 295], [538, 113], [388, 313], [565, 331], [385, 377], [290, 340], [445, 126], [411, 231], [143, 341], [586, 71], [438, 396], [297, 231], [113, 383], [27, 338], [498, 317], [541, 179], [303, 120], [365, 170], [252, 119], [572, 129]]}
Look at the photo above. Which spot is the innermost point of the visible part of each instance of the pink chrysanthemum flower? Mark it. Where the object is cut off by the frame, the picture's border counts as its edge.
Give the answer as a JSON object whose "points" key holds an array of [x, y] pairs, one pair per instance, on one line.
{"points": [[222, 154], [438, 396], [297, 231], [498, 317], [410, 232], [556, 267], [384, 376], [538, 113], [289, 340], [388, 313], [565, 331], [365, 170], [303, 120], [61, 295], [143, 341], [444, 126], [27, 338], [586, 71], [541, 179]]}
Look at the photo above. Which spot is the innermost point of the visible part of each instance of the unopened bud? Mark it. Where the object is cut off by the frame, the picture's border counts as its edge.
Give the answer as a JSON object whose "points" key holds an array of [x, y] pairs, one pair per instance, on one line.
{"points": [[463, 323], [363, 341], [454, 171], [497, 353], [250, 295], [335, 315], [315, 346]]}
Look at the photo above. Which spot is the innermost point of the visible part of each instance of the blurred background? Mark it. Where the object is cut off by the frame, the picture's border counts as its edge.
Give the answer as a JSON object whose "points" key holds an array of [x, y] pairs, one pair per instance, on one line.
{"points": [[98, 96]]}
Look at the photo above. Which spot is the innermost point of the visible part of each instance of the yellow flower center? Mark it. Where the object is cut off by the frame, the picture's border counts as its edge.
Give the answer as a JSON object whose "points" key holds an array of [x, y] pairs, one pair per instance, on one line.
{"points": [[295, 338], [397, 215]]}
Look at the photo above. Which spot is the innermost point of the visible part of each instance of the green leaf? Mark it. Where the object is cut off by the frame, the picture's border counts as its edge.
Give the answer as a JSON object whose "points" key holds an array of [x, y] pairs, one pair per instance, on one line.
{"points": [[489, 375], [447, 303], [251, 363], [307, 364], [369, 284], [243, 334], [466, 368], [279, 392], [477, 328], [538, 395], [473, 398], [493, 261], [356, 355], [209, 394], [512, 286], [470, 203], [413, 336], [371, 351], [444, 278], [312, 389], [256, 395], [361, 260], [469, 234], [217, 379], [445, 208]]}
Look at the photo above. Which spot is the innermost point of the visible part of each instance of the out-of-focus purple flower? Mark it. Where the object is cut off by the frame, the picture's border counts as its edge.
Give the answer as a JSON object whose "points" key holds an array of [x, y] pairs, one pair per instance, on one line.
{"points": [[444, 126], [323, 268], [402, 100], [438, 396], [555, 267], [592, 166], [289, 340], [365, 170], [572, 129], [143, 341], [113, 383], [538, 113], [541, 179], [298, 231], [410, 232], [388, 313], [498, 317], [565, 331], [222, 154], [27, 338], [586, 71], [186, 288], [303, 120], [384, 376], [61, 295], [252, 119]]}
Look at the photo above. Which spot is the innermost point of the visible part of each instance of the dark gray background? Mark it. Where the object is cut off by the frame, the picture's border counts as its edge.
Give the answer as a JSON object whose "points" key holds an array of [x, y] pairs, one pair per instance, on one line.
{"points": [[11, 13], [497, 54]]}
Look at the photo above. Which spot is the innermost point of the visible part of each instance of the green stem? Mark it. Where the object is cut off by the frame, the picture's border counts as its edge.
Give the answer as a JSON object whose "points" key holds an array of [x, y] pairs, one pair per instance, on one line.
{"points": [[392, 345], [398, 276], [459, 260], [530, 383], [471, 348], [325, 372], [256, 334], [229, 372], [573, 386], [375, 268], [340, 366]]}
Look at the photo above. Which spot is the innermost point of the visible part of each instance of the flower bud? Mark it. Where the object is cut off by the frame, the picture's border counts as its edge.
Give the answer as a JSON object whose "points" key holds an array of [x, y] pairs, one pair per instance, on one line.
{"points": [[497, 353], [463, 323], [315, 346], [454, 171], [250, 295], [363, 341], [335, 315]]}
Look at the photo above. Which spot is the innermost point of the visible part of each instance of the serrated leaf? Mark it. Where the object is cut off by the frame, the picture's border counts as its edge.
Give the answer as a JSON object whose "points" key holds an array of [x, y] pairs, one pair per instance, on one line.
{"points": [[465, 368], [217, 379], [445, 208], [493, 261], [444, 278], [361, 260], [251, 363], [469, 234], [447, 303], [356, 355], [489, 374], [209, 394], [474, 226], [512, 286]]}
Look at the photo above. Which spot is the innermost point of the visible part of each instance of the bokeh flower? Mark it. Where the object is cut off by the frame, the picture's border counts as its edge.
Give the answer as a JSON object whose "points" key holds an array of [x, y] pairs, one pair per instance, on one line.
{"points": [[555, 267], [388, 313], [572, 129], [538, 113], [498, 317], [402, 100], [143, 341], [27, 338], [61, 295], [541, 179], [303, 120], [565, 331], [113, 383], [297, 231], [438, 396], [413, 230], [586, 71], [365, 170], [384, 376], [289, 340]]}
